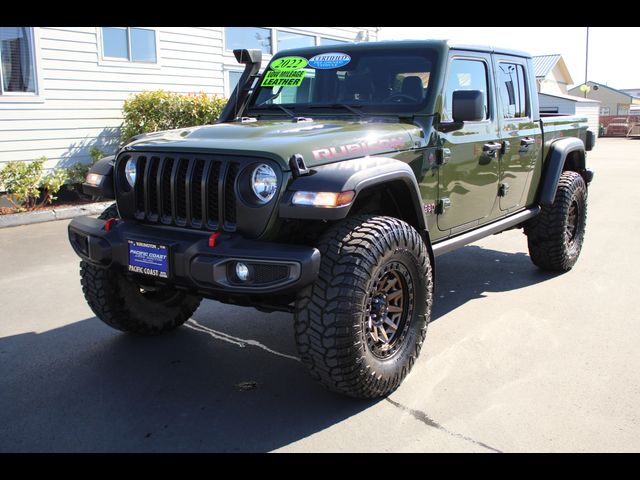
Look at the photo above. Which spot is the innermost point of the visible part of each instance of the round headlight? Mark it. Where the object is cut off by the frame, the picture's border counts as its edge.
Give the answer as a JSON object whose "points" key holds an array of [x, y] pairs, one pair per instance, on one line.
{"points": [[130, 171], [264, 182]]}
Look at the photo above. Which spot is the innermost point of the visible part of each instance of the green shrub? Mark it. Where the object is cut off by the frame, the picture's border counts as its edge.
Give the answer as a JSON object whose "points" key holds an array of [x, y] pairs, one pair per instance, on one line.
{"points": [[51, 184], [96, 154], [160, 110], [77, 173], [28, 187]]}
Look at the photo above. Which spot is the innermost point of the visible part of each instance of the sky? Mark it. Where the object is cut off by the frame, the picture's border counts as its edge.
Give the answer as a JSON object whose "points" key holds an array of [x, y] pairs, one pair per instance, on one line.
{"points": [[613, 57]]}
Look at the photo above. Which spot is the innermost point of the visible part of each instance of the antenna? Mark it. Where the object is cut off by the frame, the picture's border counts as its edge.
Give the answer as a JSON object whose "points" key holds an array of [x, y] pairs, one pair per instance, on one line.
{"points": [[586, 64]]}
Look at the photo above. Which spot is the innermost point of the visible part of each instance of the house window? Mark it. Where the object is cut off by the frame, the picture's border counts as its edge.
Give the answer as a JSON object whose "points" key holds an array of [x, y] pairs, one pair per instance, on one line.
{"points": [[331, 41], [234, 78], [605, 111], [128, 43], [248, 37], [288, 40], [623, 109], [17, 74]]}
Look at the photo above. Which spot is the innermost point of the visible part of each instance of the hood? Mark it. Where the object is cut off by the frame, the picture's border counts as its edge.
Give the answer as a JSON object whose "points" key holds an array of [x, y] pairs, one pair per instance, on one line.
{"points": [[319, 141]]}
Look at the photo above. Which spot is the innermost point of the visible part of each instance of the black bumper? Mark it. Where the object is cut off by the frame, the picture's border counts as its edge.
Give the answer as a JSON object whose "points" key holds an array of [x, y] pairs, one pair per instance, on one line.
{"points": [[193, 264]]}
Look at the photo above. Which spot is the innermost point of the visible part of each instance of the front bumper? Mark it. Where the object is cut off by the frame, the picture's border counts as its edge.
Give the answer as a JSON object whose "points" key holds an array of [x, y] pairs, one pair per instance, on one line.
{"points": [[193, 264]]}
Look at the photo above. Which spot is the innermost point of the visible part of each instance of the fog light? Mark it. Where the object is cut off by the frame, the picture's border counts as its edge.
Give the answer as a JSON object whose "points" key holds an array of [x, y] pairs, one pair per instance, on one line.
{"points": [[242, 272]]}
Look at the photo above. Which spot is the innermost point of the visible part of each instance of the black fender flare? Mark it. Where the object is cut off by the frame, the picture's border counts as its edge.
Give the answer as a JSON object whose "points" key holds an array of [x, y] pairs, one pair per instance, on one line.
{"points": [[555, 165], [104, 186], [351, 175]]}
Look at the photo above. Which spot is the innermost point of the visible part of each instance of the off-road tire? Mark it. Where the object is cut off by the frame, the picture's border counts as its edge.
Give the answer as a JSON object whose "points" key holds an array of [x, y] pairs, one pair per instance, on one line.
{"points": [[332, 316], [120, 303], [555, 236]]}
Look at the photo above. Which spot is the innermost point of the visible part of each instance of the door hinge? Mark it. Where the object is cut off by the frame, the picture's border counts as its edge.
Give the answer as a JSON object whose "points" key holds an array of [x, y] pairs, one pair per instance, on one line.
{"points": [[443, 156], [443, 204]]}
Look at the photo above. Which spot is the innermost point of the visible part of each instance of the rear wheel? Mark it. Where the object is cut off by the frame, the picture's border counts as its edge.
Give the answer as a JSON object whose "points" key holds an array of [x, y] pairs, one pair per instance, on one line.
{"points": [[361, 325], [556, 235]]}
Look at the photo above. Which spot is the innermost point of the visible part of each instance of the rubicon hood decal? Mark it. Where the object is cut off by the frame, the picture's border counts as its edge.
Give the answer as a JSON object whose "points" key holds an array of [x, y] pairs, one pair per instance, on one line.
{"points": [[359, 149], [319, 141]]}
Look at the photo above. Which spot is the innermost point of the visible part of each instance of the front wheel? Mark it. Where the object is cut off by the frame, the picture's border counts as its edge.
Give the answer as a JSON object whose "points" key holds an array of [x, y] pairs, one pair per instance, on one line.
{"points": [[124, 305], [361, 325], [556, 235]]}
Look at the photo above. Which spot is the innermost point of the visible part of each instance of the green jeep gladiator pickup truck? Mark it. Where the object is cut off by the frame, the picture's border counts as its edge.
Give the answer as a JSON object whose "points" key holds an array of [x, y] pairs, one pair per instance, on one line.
{"points": [[329, 186]]}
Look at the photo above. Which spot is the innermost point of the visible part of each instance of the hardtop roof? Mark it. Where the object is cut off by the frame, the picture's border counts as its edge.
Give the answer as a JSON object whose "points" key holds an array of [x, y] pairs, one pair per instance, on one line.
{"points": [[437, 44]]}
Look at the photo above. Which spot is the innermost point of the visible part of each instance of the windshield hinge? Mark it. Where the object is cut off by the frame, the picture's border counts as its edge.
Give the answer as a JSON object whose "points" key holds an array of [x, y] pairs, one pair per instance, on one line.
{"points": [[297, 166]]}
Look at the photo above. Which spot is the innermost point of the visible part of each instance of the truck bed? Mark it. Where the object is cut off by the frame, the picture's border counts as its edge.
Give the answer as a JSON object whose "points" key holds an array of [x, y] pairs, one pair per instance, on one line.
{"points": [[558, 126]]}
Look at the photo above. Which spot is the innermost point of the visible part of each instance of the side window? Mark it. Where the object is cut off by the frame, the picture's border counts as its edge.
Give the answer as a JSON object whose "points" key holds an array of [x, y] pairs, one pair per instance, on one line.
{"points": [[128, 43], [465, 75], [17, 63], [512, 90]]}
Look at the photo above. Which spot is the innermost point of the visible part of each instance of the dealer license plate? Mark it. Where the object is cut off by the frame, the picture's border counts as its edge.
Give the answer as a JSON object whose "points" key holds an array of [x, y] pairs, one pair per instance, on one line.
{"points": [[149, 259]]}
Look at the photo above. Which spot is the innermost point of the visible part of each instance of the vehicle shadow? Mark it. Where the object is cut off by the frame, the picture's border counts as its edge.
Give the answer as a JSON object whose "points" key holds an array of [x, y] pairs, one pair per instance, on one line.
{"points": [[86, 388], [227, 381], [472, 271]]}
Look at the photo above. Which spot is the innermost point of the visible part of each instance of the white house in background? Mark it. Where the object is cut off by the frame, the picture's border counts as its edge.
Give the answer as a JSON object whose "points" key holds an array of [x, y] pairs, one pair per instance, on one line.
{"points": [[553, 79], [552, 74], [62, 88], [570, 105]]}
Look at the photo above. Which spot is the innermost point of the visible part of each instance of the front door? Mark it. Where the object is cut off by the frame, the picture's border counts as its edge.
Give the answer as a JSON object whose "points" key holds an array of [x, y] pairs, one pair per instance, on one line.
{"points": [[468, 178], [519, 133]]}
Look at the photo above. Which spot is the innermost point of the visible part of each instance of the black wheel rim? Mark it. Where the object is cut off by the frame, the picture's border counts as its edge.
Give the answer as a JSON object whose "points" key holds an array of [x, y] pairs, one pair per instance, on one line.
{"points": [[573, 222], [389, 310]]}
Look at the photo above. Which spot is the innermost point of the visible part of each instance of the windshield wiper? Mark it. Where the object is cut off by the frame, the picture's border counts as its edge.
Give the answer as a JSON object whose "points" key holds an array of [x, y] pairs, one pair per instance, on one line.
{"points": [[285, 110], [348, 107], [351, 108]]}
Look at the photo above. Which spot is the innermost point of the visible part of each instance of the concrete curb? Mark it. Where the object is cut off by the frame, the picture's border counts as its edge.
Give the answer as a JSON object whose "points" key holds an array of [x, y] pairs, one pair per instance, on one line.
{"points": [[27, 218]]}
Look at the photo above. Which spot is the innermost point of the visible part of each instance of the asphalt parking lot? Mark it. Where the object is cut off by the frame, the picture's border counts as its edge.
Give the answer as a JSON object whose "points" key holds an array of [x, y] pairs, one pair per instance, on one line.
{"points": [[516, 359]]}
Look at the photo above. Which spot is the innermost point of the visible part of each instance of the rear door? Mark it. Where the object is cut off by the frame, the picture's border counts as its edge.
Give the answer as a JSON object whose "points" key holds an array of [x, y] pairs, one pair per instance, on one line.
{"points": [[468, 177], [520, 132]]}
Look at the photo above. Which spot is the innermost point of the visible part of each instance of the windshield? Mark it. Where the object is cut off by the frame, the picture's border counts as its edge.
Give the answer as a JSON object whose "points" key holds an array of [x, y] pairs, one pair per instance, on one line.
{"points": [[368, 81]]}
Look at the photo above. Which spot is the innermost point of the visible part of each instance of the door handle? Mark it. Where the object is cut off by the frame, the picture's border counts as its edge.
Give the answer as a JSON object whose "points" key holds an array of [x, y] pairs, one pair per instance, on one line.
{"points": [[491, 148], [525, 142]]}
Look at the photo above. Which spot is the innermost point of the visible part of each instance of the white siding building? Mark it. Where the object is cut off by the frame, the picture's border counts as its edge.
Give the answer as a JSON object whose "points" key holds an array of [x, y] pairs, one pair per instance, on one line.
{"points": [[570, 105], [552, 74], [62, 89]]}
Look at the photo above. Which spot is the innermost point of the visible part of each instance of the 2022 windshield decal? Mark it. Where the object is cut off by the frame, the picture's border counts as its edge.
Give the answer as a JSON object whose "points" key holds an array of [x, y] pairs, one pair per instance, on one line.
{"points": [[285, 72]]}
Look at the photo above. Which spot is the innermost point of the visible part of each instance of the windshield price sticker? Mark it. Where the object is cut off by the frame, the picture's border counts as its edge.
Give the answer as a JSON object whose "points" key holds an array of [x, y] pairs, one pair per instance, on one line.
{"points": [[331, 60], [288, 63], [287, 78]]}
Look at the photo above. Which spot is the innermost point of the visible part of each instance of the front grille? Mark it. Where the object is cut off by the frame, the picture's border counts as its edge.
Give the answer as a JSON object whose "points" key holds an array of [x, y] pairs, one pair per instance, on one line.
{"points": [[186, 191]]}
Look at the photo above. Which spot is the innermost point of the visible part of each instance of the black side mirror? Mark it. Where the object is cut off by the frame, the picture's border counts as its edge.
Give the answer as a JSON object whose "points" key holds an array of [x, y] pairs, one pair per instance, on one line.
{"points": [[468, 106]]}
